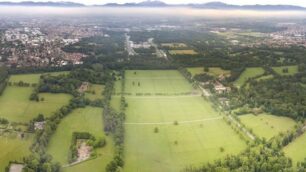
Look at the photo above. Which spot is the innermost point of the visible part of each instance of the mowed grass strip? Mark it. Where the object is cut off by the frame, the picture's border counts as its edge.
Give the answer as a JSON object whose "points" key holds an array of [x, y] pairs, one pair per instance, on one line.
{"points": [[266, 125], [248, 73], [291, 70], [13, 148], [214, 71], [87, 119], [178, 144], [296, 150]]}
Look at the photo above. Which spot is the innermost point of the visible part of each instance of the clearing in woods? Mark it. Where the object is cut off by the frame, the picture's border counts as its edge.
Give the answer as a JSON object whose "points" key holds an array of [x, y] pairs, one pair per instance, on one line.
{"points": [[168, 134], [15, 104], [13, 148], [248, 73], [94, 92], [296, 149], [87, 119], [266, 125], [214, 71], [286, 70]]}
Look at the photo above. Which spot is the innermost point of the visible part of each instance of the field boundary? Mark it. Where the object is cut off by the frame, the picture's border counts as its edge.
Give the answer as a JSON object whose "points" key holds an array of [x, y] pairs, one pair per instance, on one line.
{"points": [[155, 78], [172, 122], [159, 97]]}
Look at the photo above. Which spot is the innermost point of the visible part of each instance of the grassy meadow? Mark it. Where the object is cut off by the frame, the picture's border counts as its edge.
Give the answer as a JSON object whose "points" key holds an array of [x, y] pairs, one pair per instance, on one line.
{"points": [[13, 148], [153, 82], [267, 126], [94, 92], [266, 77], [214, 71], [296, 150], [189, 130], [87, 119], [247, 74], [291, 70], [16, 106]]}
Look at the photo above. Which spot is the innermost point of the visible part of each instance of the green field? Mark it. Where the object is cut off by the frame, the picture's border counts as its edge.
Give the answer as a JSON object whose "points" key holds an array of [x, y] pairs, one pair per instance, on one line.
{"points": [[156, 81], [214, 71], [265, 77], [291, 70], [198, 136], [28, 78], [267, 126], [32, 78], [13, 148], [88, 119], [296, 150], [16, 106], [247, 74], [94, 92]]}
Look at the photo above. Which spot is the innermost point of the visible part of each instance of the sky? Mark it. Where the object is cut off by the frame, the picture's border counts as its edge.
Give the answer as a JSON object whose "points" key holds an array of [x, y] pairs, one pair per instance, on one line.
{"points": [[237, 2]]}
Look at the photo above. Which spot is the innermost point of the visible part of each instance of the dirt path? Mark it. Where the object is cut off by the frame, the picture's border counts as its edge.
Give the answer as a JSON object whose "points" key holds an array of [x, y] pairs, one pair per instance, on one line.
{"points": [[172, 122], [158, 97]]}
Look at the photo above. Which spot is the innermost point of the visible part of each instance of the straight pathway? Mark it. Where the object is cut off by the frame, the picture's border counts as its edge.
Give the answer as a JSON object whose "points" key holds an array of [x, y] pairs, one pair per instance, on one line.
{"points": [[172, 122]]}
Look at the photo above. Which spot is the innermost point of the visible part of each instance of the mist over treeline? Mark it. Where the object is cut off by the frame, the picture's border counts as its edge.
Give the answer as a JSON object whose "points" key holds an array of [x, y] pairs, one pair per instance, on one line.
{"points": [[123, 11]]}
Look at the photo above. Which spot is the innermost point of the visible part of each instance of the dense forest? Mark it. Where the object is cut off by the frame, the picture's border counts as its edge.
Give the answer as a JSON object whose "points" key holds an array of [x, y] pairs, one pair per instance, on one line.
{"points": [[256, 159], [3, 78]]}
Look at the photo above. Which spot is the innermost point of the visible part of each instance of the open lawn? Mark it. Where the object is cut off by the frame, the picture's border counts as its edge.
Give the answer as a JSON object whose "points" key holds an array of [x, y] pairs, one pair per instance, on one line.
{"points": [[296, 150], [28, 78], [13, 148], [214, 71], [265, 77], [32, 78], [247, 74], [196, 137], [182, 52], [281, 70], [87, 119], [267, 126], [153, 82], [16, 106], [94, 92]]}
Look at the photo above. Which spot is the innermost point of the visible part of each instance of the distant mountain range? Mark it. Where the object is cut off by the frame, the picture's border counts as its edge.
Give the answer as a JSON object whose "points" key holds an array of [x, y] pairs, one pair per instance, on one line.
{"points": [[156, 3]]}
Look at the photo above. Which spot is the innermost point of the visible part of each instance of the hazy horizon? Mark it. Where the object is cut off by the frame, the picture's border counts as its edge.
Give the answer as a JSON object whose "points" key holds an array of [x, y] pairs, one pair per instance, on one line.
{"points": [[235, 2], [175, 12]]}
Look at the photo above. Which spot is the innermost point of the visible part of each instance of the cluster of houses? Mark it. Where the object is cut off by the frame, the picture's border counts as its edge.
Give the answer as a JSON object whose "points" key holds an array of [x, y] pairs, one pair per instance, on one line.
{"points": [[27, 46]]}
